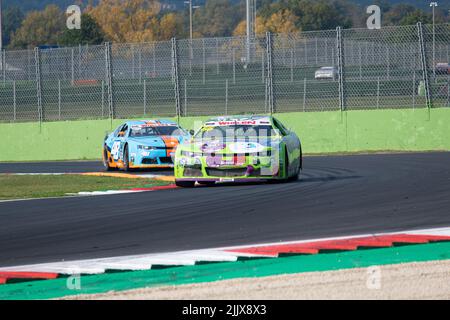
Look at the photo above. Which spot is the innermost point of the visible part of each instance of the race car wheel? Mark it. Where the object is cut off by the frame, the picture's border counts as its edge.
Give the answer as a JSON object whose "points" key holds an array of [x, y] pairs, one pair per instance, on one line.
{"points": [[185, 184], [106, 159], [126, 159]]}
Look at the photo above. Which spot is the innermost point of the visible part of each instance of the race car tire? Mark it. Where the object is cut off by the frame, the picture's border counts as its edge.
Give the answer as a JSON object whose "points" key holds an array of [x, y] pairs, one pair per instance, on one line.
{"points": [[126, 159], [185, 184], [106, 160]]}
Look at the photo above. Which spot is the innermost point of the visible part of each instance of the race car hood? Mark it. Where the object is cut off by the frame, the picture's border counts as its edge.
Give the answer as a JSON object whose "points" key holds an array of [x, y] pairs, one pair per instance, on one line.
{"points": [[230, 145], [158, 141]]}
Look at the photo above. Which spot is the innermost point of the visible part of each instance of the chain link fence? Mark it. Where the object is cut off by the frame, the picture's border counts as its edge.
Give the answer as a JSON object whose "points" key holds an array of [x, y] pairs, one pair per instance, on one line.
{"points": [[342, 69]]}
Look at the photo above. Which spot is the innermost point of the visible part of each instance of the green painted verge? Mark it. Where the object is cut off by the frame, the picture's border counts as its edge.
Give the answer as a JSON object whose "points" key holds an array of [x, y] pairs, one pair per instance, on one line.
{"points": [[320, 132], [227, 270]]}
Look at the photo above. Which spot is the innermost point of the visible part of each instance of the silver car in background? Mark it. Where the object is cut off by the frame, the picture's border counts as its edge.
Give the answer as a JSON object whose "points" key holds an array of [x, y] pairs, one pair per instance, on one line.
{"points": [[326, 73]]}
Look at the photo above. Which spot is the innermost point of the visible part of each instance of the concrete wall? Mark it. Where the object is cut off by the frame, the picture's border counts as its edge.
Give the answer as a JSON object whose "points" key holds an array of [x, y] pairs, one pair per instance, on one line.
{"points": [[320, 132]]}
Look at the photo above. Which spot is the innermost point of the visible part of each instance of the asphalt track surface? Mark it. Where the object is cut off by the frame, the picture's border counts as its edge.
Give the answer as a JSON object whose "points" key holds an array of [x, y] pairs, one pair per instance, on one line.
{"points": [[336, 196]]}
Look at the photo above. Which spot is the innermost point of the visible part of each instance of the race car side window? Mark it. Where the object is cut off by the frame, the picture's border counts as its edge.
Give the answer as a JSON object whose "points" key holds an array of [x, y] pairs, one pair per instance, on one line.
{"points": [[116, 132], [280, 127], [124, 128]]}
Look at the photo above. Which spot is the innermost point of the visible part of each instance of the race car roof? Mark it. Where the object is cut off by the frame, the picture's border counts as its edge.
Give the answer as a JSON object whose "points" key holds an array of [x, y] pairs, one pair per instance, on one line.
{"points": [[153, 122], [245, 120]]}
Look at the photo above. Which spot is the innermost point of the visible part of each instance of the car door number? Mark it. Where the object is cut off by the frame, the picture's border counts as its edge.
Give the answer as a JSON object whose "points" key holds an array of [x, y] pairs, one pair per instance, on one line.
{"points": [[115, 150]]}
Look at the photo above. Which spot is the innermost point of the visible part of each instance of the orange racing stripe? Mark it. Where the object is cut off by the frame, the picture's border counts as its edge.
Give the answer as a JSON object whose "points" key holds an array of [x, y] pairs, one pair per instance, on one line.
{"points": [[171, 144]]}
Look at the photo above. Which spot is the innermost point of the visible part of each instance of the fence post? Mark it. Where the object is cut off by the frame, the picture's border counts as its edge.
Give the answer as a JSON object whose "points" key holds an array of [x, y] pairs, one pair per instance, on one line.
{"points": [[204, 61], [103, 98], [133, 63], [388, 65], [4, 66], [217, 56], [423, 60], [226, 96], [360, 62], [191, 57], [262, 68], [378, 92], [29, 65], [414, 89], [265, 96], [37, 58], [448, 91], [340, 61], [176, 77], [145, 97], [234, 66], [140, 64], [154, 60], [292, 65], [109, 79], [270, 93], [304, 94], [306, 51], [317, 52], [59, 99], [332, 57], [185, 98], [79, 62], [72, 67], [14, 101]]}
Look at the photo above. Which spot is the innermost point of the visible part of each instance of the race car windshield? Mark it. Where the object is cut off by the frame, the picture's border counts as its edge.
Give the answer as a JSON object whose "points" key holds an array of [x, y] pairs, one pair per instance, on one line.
{"points": [[235, 131], [154, 131]]}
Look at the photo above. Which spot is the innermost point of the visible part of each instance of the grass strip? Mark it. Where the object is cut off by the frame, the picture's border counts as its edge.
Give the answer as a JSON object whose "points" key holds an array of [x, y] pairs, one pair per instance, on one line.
{"points": [[42, 186]]}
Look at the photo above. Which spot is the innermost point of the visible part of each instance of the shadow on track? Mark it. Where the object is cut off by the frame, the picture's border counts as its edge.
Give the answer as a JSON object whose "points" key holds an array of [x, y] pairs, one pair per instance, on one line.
{"points": [[262, 182]]}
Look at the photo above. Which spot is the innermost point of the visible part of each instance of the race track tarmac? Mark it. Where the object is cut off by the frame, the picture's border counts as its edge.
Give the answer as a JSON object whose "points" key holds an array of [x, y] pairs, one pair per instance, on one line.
{"points": [[336, 195]]}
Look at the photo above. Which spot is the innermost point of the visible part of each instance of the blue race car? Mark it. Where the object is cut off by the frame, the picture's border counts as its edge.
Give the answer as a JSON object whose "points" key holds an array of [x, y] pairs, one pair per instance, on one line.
{"points": [[142, 144]]}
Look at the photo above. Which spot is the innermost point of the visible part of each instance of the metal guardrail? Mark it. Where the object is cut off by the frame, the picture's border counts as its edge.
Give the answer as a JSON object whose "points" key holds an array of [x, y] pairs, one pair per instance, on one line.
{"points": [[393, 67]]}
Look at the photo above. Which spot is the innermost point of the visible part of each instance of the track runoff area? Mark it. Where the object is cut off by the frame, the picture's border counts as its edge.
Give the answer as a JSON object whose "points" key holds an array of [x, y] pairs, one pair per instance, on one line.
{"points": [[396, 205]]}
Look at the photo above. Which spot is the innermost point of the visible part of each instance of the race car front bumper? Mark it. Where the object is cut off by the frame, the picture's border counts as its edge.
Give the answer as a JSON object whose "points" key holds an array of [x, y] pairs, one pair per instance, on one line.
{"points": [[250, 169], [151, 159]]}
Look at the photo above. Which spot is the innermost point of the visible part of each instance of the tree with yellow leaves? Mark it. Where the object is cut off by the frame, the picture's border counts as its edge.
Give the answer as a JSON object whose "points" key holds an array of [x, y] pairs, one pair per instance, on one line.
{"points": [[283, 21], [40, 28], [170, 25], [128, 20], [241, 28]]}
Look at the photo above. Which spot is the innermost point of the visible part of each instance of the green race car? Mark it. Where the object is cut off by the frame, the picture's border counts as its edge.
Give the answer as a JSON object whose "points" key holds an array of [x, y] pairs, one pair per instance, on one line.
{"points": [[238, 148]]}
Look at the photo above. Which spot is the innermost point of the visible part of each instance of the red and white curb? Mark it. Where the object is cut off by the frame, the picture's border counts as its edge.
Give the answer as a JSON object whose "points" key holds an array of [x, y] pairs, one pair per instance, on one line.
{"points": [[134, 190], [272, 250]]}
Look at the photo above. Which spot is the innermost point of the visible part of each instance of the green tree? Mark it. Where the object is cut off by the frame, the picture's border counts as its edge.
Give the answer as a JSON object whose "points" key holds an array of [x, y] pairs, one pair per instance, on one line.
{"points": [[40, 28], [414, 17], [396, 13], [90, 33], [217, 18], [12, 19], [321, 15], [316, 14]]}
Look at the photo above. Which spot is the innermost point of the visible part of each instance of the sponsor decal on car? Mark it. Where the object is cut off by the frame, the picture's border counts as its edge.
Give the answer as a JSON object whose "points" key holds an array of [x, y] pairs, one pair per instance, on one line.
{"points": [[245, 147]]}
